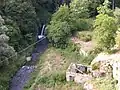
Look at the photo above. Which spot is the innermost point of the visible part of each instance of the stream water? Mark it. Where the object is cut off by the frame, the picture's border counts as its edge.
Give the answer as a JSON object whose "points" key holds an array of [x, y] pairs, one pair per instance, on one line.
{"points": [[23, 74]]}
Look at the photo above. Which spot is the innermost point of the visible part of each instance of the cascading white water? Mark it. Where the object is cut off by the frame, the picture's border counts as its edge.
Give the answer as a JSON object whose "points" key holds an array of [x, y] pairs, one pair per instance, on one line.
{"points": [[42, 32], [43, 28]]}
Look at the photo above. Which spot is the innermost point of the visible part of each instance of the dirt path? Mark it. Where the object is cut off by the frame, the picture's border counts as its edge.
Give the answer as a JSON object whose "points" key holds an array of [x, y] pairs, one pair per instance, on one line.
{"points": [[23, 74]]}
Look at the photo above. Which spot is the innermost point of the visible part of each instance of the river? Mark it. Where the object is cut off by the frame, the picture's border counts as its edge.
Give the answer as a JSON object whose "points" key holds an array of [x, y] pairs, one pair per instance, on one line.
{"points": [[23, 74]]}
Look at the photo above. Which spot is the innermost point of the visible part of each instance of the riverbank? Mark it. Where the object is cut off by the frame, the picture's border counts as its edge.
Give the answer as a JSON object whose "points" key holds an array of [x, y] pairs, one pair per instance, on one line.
{"points": [[51, 68]]}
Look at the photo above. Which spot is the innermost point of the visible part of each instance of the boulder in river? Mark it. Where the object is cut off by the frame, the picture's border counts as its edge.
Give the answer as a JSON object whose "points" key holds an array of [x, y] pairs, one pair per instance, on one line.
{"points": [[28, 59]]}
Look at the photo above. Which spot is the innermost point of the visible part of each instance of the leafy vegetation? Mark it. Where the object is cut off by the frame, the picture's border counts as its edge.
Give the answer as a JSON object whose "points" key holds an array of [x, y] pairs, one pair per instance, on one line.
{"points": [[105, 31], [117, 39], [18, 29], [6, 51], [85, 35], [52, 66], [19, 23], [104, 83], [58, 33]]}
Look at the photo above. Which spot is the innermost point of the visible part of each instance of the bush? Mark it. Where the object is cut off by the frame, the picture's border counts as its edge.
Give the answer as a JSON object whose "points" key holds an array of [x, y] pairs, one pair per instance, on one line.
{"points": [[96, 66], [62, 14], [85, 35], [105, 31], [51, 80], [104, 83], [83, 24], [79, 9], [72, 47], [59, 77], [96, 50], [58, 33], [86, 59], [117, 15]]}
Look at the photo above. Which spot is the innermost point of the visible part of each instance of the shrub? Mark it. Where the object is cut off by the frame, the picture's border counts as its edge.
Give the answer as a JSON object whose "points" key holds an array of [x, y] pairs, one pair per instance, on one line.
{"points": [[104, 83], [72, 47], [117, 15], [62, 14], [59, 77], [96, 66], [83, 24], [58, 33], [85, 35], [86, 59], [104, 9], [105, 31], [79, 9], [96, 50], [51, 80]]}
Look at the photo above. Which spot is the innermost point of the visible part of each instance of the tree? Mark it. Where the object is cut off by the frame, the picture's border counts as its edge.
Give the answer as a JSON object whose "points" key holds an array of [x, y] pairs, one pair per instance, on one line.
{"points": [[117, 15], [92, 6], [23, 13], [58, 33], [105, 31], [105, 8], [117, 3], [6, 51], [63, 14], [79, 9]]}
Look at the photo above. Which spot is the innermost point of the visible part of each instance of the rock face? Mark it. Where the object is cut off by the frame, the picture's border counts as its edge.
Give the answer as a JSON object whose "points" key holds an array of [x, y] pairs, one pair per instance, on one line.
{"points": [[110, 64]]}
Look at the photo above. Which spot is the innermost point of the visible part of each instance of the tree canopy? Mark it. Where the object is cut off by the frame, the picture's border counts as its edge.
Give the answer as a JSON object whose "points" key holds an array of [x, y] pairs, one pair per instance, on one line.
{"points": [[105, 31], [6, 51]]}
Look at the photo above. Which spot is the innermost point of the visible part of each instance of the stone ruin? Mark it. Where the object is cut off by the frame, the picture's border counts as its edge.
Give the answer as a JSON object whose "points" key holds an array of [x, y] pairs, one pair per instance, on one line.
{"points": [[109, 61], [107, 66], [78, 73], [81, 74]]}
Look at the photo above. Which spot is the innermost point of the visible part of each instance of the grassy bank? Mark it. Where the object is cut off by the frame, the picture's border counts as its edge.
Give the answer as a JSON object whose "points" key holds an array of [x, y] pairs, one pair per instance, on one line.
{"points": [[51, 68]]}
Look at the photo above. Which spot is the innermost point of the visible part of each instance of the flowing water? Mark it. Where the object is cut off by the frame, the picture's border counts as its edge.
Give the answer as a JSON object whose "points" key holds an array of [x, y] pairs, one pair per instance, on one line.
{"points": [[23, 74]]}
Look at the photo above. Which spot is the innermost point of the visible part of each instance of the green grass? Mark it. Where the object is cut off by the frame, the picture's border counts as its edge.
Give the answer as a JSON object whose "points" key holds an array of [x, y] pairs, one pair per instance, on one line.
{"points": [[51, 67], [85, 35], [105, 83], [58, 61]]}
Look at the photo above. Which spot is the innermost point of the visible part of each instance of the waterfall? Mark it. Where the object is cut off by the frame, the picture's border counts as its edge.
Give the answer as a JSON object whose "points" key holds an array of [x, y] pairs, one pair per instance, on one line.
{"points": [[41, 35], [43, 28]]}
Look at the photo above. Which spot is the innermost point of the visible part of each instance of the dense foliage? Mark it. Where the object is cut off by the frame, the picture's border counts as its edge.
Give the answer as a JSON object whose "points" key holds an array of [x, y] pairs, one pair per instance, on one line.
{"points": [[58, 33], [19, 29], [105, 31], [6, 51], [20, 20], [76, 17], [105, 8], [117, 15]]}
